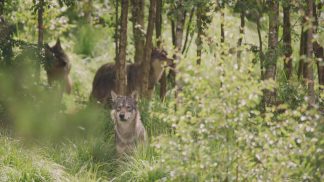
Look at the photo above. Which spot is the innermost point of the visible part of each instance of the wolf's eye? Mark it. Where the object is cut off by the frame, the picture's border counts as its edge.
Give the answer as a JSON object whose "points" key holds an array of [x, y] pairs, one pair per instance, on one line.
{"points": [[118, 108], [129, 108]]}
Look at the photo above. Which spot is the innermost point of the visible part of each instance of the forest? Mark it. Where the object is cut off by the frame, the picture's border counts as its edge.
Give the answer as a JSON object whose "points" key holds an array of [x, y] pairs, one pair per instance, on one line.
{"points": [[162, 90]]}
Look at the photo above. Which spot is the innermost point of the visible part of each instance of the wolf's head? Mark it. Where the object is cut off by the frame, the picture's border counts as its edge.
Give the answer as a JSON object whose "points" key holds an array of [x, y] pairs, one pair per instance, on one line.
{"points": [[124, 107], [159, 60], [55, 56]]}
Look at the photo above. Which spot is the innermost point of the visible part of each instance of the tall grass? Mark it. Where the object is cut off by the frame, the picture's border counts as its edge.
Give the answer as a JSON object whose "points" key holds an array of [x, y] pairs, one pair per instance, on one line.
{"points": [[86, 40]]}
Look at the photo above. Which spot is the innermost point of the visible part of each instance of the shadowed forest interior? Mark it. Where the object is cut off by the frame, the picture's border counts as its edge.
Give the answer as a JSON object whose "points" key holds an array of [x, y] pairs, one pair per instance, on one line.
{"points": [[161, 90]]}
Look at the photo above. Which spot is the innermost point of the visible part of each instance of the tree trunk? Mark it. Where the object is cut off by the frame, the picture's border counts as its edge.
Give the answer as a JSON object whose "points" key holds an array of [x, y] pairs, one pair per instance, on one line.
{"points": [[2, 2], [87, 8], [319, 51], [180, 23], [158, 23], [199, 35], [116, 36], [271, 64], [239, 42], [158, 33], [302, 52], [309, 54], [121, 62], [148, 50], [177, 36], [138, 27], [222, 25], [287, 41], [261, 57], [173, 33], [319, 54], [187, 31], [40, 12]]}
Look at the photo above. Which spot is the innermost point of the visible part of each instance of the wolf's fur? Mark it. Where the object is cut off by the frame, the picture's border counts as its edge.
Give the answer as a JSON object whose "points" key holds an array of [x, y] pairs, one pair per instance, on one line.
{"points": [[57, 66], [129, 129], [105, 79]]}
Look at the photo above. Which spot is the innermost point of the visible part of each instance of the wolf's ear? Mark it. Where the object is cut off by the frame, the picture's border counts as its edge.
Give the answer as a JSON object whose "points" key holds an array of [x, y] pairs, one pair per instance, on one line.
{"points": [[113, 96], [58, 43], [134, 95]]}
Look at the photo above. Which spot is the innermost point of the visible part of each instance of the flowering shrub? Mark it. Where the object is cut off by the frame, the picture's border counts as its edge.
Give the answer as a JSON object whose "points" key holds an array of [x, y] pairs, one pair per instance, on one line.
{"points": [[220, 134]]}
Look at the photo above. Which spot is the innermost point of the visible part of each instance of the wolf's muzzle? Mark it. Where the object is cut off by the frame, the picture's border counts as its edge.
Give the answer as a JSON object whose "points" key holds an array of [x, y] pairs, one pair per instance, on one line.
{"points": [[122, 117]]}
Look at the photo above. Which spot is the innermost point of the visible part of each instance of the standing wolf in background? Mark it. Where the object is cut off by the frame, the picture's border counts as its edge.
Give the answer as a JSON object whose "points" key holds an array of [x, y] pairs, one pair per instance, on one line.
{"points": [[105, 79], [129, 129], [57, 66]]}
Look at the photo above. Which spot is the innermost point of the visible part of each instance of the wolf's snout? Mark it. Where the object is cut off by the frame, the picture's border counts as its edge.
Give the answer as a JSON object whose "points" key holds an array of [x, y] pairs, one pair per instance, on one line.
{"points": [[122, 116]]}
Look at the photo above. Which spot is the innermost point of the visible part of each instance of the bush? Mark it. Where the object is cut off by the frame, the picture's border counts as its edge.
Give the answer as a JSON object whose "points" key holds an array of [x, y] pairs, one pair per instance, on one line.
{"points": [[219, 133], [86, 40]]}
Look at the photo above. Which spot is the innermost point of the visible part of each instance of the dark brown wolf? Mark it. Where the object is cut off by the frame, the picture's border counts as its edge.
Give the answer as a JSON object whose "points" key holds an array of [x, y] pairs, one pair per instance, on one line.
{"points": [[57, 66], [105, 79]]}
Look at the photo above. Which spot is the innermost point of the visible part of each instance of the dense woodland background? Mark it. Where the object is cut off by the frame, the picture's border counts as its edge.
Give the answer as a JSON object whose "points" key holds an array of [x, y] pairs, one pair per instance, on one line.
{"points": [[243, 100]]}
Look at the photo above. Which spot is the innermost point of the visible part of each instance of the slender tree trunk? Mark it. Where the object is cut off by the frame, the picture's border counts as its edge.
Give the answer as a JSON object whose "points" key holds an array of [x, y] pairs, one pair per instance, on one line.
{"points": [[180, 23], [199, 34], [180, 15], [188, 30], [116, 31], [158, 33], [158, 23], [138, 27], [2, 2], [239, 43], [222, 25], [319, 54], [121, 62], [261, 57], [148, 50], [40, 12], [302, 52], [87, 8], [309, 54], [287, 41], [173, 33], [271, 64], [319, 51]]}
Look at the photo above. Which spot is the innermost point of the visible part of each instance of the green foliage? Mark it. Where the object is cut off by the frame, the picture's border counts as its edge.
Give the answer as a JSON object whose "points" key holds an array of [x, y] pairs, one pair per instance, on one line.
{"points": [[213, 131], [220, 134], [86, 40]]}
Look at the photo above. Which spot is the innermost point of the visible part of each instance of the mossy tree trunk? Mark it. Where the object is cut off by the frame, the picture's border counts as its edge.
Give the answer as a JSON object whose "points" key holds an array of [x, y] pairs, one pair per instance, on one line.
{"points": [[302, 51], [88, 8], [146, 64], [271, 61], [158, 33], [40, 12], [2, 2], [138, 27], [121, 61], [318, 49], [309, 54], [178, 29], [199, 34], [240, 40], [116, 35], [287, 40]]}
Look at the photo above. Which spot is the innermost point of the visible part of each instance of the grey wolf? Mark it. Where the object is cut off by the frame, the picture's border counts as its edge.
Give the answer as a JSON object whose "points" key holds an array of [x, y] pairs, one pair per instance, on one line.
{"points": [[129, 129]]}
